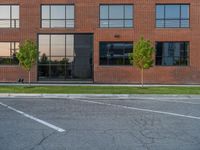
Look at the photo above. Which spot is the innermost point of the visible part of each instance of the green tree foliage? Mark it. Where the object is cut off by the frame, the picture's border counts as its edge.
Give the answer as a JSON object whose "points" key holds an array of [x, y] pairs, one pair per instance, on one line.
{"points": [[142, 56], [27, 55]]}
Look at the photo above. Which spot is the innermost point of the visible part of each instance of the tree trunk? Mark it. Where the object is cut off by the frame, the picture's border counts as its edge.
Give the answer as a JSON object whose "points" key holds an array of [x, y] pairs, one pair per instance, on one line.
{"points": [[29, 78], [142, 77]]}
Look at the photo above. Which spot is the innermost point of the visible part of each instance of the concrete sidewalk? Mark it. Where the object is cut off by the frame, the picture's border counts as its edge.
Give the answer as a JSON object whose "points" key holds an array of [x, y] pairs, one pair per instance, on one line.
{"points": [[100, 85], [101, 96]]}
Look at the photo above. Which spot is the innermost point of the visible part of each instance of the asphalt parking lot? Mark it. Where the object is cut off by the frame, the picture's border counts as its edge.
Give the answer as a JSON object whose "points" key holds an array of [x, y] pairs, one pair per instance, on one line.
{"points": [[141, 123]]}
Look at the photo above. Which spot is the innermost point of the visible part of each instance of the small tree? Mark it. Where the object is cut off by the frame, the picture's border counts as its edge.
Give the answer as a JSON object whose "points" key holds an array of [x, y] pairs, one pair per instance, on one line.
{"points": [[142, 56], [27, 56]]}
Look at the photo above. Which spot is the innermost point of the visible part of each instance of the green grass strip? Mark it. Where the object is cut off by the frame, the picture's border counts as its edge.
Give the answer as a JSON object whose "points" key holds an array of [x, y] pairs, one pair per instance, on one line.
{"points": [[98, 90]]}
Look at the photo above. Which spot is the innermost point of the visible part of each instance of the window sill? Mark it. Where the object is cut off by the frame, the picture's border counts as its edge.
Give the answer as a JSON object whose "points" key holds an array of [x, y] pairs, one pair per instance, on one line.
{"points": [[3, 66], [173, 28], [108, 66], [172, 66], [116, 28]]}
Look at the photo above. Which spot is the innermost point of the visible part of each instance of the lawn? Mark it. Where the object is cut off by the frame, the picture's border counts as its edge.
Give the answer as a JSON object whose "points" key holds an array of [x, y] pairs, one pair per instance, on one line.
{"points": [[99, 90]]}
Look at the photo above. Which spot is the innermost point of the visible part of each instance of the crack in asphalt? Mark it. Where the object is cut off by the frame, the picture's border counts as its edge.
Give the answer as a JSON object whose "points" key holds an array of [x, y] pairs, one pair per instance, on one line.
{"points": [[44, 138]]}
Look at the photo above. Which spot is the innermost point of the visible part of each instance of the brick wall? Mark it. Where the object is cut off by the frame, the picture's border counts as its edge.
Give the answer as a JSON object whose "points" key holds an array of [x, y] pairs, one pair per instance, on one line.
{"points": [[87, 21]]}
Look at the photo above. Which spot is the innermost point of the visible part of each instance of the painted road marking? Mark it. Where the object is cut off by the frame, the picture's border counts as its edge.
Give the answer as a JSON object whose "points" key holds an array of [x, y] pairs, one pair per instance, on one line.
{"points": [[149, 99], [33, 118], [139, 109], [171, 101]]}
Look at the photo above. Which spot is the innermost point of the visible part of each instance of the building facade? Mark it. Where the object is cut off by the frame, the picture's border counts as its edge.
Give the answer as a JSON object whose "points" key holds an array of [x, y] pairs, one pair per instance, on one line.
{"points": [[90, 40]]}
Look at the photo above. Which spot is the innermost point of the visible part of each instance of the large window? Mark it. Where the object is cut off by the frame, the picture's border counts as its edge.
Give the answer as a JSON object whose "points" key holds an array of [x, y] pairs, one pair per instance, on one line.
{"points": [[8, 52], [9, 16], [115, 53], [172, 53], [57, 16], [65, 56], [172, 16], [116, 16]]}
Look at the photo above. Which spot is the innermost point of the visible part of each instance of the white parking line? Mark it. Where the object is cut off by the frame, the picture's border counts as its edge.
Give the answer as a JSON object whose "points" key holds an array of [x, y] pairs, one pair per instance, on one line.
{"points": [[171, 101], [33, 118], [149, 99], [139, 109]]}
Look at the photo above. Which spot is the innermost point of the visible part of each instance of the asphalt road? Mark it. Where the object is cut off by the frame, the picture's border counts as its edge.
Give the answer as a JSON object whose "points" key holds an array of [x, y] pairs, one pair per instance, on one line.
{"points": [[99, 124]]}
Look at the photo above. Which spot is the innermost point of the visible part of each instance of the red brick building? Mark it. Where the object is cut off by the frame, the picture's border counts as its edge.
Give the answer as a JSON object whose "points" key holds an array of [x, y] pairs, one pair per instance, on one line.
{"points": [[90, 39]]}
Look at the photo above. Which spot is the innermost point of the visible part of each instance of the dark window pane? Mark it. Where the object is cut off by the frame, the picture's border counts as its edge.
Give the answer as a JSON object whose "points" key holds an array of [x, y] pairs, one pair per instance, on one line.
{"points": [[57, 72], [171, 53], [43, 59], [58, 60], [103, 54], [70, 45], [115, 53], [183, 61], [160, 12], [103, 12], [43, 72], [128, 50]]}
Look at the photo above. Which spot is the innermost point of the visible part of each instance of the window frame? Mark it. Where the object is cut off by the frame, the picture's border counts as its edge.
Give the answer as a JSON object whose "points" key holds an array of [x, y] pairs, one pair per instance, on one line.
{"points": [[10, 57], [50, 20], [10, 17], [123, 19], [188, 54], [49, 65], [180, 19], [114, 65]]}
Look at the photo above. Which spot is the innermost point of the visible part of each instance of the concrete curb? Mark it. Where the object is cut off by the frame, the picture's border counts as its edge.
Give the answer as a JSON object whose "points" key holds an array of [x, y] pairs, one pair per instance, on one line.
{"points": [[102, 85], [100, 96]]}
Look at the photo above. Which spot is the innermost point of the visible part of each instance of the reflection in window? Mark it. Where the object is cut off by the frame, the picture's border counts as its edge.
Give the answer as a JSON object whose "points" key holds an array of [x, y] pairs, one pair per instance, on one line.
{"points": [[172, 53], [8, 51], [55, 48], [65, 56], [172, 16], [9, 16], [53, 61], [119, 16], [116, 53], [57, 16]]}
